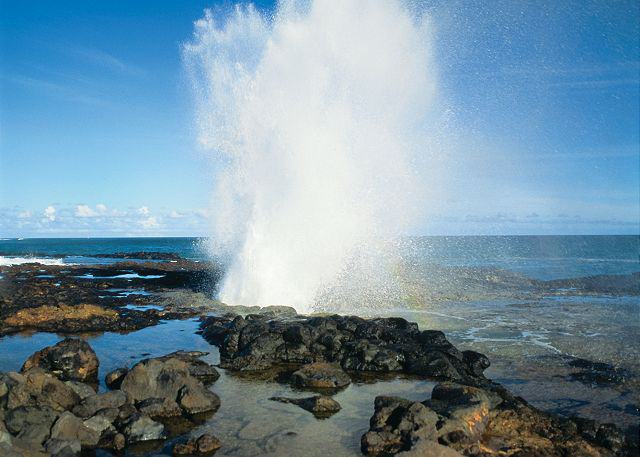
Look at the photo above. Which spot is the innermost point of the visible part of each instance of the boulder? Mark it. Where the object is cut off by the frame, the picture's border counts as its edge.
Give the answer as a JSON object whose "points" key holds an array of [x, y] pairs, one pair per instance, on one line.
{"points": [[320, 375], [71, 359], [205, 444], [69, 427], [397, 424], [114, 378], [142, 428], [62, 447], [159, 408], [31, 424], [94, 403], [197, 400], [169, 378], [35, 387]]}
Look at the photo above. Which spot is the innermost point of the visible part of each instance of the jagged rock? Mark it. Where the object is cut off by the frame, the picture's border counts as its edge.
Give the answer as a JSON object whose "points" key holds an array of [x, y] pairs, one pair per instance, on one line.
{"points": [[31, 424], [258, 342], [320, 405], [464, 411], [83, 390], [35, 387], [197, 399], [94, 403], [159, 408], [142, 428], [397, 424], [71, 359], [169, 377], [320, 375], [198, 368], [69, 427], [204, 445], [473, 421], [63, 447], [114, 378]]}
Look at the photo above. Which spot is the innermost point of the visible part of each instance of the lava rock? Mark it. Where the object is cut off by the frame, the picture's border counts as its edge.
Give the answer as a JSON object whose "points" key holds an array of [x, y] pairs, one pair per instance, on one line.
{"points": [[205, 444], [397, 424], [71, 359], [320, 375], [142, 428], [69, 427], [257, 342], [94, 403], [159, 408], [114, 378]]}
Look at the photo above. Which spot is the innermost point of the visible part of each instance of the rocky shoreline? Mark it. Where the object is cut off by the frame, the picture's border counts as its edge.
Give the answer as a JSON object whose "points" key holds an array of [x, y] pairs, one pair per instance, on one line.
{"points": [[54, 406]]}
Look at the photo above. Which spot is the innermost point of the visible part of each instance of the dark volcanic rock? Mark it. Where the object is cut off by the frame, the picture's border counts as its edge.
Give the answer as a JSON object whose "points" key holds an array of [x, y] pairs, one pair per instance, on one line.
{"points": [[397, 425], [597, 373], [320, 375], [71, 359], [142, 428], [320, 405], [205, 444], [258, 342], [481, 422], [114, 378]]}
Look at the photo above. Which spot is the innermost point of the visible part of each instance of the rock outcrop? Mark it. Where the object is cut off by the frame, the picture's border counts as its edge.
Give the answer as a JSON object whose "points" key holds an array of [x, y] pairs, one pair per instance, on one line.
{"points": [[257, 342], [51, 408], [72, 359], [471, 421]]}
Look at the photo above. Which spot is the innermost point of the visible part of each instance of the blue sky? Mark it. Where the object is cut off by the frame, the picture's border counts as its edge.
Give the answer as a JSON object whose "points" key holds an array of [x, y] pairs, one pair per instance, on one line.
{"points": [[97, 136]]}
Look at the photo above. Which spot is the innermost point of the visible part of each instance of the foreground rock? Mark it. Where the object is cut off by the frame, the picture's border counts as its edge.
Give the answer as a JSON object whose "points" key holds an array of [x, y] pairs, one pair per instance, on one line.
{"points": [[257, 342], [203, 445], [481, 422], [71, 359], [320, 375], [47, 410], [320, 406]]}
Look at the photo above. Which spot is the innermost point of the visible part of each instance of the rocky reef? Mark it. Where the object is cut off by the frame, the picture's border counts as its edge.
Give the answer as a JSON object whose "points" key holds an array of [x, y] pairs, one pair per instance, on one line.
{"points": [[52, 406], [467, 414]]}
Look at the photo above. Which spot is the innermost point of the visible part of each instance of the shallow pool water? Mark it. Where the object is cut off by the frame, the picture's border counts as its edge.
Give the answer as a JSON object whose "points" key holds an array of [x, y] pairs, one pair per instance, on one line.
{"points": [[248, 423]]}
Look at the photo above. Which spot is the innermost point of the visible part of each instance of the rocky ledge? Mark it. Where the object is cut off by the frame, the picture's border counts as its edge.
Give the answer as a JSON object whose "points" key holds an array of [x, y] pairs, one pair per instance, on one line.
{"points": [[466, 415], [52, 407], [257, 342]]}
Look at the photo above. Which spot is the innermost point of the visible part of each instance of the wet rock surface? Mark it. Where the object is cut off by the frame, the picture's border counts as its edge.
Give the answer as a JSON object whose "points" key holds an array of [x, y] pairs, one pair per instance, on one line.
{"points": [[485, 421], [83, 298], [46, 410], [321, 406], [69, 360], [258, 342], [320, 375]]}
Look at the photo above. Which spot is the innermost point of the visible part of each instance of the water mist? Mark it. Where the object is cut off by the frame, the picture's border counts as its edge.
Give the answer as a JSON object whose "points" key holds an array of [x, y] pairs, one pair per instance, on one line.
{"points": [[316, 116]]}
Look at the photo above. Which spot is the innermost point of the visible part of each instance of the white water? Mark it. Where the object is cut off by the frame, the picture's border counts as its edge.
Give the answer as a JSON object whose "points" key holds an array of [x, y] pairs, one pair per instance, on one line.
{"points": [[316, 117], [9, 261]]}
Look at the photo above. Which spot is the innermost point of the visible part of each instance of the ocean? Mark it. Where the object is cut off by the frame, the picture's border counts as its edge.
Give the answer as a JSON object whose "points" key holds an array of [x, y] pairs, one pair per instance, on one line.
{"points": [[478, 290], [538, 257]]}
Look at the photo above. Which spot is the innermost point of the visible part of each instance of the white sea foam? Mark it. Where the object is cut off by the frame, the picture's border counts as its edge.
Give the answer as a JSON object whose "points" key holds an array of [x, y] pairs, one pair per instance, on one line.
{"points": [[8, 261], [318, 116]]}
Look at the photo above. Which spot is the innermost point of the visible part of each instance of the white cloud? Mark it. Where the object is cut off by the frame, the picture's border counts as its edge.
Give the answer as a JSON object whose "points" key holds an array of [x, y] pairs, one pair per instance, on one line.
{"points": [[24, 215], [175, 215], [149, 223], [50, 213], [85, 211], [143, 210]]}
